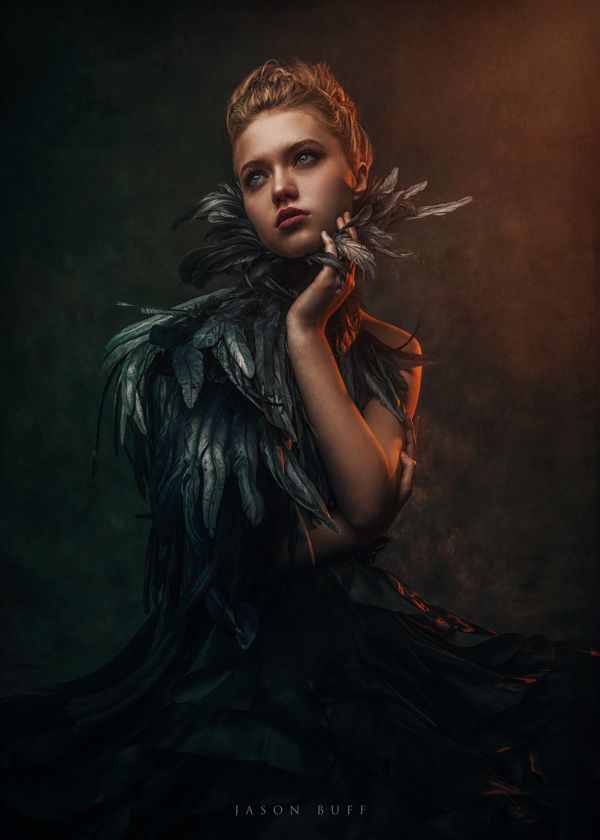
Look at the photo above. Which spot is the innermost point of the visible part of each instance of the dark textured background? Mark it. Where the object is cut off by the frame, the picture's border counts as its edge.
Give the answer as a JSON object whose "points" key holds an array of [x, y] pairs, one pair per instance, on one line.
{"points": [[115, 124]]}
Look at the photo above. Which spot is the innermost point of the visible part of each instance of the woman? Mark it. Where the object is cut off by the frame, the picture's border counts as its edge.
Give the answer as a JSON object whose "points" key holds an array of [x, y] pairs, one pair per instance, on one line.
{"points": [[283, 685], [306, 165]]}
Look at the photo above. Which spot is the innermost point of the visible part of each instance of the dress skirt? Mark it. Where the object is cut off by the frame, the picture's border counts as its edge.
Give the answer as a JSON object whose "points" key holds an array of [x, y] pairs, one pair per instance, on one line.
{"points": [[358, 711]]}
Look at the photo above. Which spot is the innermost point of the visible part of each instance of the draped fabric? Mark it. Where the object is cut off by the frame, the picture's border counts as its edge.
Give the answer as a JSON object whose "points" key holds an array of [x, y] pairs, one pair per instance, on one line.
{"points": [[354, 692]]}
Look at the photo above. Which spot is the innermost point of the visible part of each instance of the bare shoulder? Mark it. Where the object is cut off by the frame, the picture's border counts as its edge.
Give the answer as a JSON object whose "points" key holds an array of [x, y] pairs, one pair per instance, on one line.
{"points": [[388, 333], [396, 337]]}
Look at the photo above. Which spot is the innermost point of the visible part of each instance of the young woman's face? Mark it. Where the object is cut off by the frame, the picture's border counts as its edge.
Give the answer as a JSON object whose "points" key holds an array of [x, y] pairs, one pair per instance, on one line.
{"points": [[287, 161]]}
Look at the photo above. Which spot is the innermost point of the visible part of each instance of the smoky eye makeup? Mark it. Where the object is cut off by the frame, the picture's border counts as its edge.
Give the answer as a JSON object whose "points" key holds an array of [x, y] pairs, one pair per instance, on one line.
{"points": [[311, 154], [247, 180]]}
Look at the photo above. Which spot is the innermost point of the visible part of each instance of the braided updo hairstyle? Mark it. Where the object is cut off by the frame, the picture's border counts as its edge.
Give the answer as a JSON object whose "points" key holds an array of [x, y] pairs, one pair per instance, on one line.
{"points": [[276, 85]]}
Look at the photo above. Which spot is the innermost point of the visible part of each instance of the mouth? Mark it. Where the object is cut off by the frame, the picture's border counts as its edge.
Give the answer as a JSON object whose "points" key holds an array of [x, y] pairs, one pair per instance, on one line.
{"points": [[290, 217]]}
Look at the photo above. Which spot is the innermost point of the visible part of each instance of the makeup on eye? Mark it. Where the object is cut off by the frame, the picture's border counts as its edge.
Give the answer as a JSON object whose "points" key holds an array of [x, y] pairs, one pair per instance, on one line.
{"points": [[302, 153]]}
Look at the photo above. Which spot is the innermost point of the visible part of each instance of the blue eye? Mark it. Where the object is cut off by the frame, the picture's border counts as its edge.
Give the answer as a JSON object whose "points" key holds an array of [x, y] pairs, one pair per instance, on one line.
{"points": [[248, 180], [306, 153], [302, 158]]}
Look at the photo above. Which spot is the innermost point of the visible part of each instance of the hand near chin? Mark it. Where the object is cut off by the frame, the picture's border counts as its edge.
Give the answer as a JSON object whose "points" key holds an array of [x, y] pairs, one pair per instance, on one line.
{"points": [[316, 304]]}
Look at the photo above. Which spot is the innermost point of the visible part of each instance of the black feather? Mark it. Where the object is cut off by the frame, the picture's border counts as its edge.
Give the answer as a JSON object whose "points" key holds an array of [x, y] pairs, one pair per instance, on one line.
{"points": [[188, 367], [207, 409]]}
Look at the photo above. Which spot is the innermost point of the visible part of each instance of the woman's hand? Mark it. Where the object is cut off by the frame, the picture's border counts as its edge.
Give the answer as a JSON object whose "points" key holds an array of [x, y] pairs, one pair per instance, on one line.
{"points": [[408, 462], [316, 304]]}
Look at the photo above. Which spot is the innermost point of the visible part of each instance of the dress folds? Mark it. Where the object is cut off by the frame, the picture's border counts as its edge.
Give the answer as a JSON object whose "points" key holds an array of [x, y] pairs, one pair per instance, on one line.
{"points": [[355, 694]]}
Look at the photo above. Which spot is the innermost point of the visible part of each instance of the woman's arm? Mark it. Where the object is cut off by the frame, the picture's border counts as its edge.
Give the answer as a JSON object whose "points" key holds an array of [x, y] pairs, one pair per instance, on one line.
{"points": [[362, 459], [320, 543], [362, 455]]}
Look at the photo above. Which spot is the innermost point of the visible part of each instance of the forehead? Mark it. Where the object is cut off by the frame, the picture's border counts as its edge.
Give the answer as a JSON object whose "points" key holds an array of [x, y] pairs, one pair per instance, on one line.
{"points": [[271, 132]]}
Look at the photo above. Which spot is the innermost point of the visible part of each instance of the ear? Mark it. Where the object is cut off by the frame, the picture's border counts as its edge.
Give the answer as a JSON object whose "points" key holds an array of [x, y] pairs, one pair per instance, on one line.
{"points": [[360, 180]]}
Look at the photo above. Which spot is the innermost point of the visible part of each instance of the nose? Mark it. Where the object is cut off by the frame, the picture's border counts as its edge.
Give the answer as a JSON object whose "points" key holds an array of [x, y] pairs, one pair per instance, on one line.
{"points": [[283, 187]]}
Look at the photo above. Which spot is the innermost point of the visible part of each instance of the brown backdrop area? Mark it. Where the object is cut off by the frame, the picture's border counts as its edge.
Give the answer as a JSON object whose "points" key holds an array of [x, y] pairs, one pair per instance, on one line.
{"points": [[115, 122]]}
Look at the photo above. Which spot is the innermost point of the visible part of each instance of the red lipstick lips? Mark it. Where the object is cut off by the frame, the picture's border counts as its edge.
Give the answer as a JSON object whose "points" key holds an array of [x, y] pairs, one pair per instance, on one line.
{"points": [[289, 217]]}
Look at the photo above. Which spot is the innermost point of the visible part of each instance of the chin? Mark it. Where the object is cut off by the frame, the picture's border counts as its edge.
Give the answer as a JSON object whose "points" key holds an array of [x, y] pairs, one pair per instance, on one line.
{"points": [[296, 246]]}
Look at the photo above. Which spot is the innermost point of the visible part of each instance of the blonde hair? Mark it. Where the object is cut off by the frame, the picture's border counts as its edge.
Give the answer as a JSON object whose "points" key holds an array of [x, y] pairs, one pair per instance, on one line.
{"points": [[276, 85]]}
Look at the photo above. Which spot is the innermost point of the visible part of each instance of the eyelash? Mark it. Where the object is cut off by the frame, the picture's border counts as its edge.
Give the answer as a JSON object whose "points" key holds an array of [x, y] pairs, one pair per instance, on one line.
{"points": [[250, 175]]}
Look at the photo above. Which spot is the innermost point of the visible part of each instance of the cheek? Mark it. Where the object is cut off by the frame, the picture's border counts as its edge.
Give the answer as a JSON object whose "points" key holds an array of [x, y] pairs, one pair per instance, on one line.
{"points": [[256, 217], [335, 191], [335, 200]]}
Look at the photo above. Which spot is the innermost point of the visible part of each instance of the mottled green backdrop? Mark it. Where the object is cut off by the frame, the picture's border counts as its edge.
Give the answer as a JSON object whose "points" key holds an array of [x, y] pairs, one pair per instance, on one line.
{"points": [[114, 121]]}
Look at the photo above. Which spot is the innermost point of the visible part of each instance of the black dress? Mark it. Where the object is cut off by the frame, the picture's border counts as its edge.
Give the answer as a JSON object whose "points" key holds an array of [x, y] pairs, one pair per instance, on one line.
{"points": [[262, 699], [356, 695]]}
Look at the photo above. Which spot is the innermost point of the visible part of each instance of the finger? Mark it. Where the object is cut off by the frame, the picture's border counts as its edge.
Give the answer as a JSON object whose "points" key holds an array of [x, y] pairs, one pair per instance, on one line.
{"points": [[343, 282], [351, 230], [328, 274], [349, 281], [407, 478], [411, 440], [345, 218], [329, 244]]}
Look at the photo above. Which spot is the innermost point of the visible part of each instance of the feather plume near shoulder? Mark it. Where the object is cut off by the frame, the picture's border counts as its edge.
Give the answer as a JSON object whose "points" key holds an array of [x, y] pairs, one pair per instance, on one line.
{"points": [[207, 410]]}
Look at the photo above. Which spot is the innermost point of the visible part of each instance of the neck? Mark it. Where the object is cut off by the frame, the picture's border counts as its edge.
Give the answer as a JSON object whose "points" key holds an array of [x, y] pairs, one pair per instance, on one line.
{"points": [[297, 274]]}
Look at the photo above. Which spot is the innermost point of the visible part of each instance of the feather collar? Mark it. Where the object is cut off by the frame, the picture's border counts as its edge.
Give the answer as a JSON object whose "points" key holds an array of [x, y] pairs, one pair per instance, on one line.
{"points": [[233, 247]]}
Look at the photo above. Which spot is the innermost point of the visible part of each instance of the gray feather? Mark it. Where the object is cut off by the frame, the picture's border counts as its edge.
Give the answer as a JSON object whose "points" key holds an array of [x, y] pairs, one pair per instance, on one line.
{"points": [[236, 344], [214, 472], [442, 209], [188, 367], [244, 448], [208, 334]]}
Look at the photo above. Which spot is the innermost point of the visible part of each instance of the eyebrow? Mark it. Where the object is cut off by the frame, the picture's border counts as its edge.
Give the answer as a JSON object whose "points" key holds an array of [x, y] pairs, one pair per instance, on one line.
{"points": [[290, 149]]}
